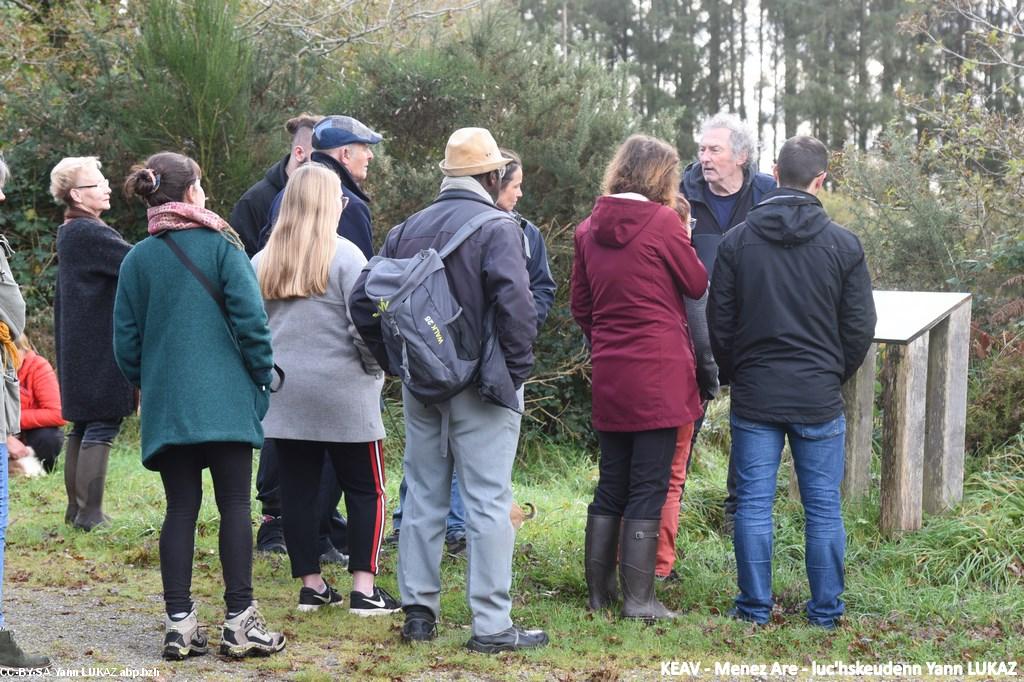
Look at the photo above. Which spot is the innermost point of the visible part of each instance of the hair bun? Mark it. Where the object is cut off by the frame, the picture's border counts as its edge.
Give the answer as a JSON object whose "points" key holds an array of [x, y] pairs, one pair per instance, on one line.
{"points": [[142, 182], [150, 182]]}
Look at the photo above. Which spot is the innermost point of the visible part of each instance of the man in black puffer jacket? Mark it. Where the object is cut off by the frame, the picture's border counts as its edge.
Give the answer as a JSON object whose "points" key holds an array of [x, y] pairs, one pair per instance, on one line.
{"points": [[791, 317]]}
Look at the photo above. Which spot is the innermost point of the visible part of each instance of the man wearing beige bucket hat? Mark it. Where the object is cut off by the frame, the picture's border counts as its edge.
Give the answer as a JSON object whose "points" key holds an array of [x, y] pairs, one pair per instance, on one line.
{"points": [[488, 277]]}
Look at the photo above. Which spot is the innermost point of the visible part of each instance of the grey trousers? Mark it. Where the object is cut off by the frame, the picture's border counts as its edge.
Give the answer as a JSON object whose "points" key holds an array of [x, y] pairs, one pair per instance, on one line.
{"points": [[482, 440]]}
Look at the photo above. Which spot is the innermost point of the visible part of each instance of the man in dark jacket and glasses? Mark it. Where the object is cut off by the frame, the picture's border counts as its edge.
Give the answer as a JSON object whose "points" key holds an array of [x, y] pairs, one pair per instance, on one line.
{"points": [[791, 317]]}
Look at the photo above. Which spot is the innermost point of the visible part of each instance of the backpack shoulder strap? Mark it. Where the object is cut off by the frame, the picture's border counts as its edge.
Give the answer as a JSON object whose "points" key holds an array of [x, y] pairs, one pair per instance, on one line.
{"points": [[467, 230]]}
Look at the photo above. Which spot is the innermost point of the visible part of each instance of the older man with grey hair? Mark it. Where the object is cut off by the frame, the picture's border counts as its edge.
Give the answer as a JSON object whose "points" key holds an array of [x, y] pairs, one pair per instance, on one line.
{"points": [[721, 186]]}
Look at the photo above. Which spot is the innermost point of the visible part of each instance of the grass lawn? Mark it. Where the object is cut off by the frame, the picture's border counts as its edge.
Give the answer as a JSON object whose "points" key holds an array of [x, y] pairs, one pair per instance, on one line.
{"points": [[951, 593]]}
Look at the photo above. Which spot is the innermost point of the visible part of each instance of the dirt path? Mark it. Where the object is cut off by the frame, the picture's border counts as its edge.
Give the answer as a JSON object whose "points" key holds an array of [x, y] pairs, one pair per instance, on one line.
{"points": [[90, 630]]}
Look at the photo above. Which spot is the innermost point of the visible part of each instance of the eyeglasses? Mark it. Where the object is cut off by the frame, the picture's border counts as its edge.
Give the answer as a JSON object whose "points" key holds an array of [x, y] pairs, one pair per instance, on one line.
{"points": [[501, 173], [102, 183]]}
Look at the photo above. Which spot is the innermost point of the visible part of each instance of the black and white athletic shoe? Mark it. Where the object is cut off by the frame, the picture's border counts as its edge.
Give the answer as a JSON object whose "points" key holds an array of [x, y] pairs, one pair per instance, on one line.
{"points": [[377, 604], [311, 600]]}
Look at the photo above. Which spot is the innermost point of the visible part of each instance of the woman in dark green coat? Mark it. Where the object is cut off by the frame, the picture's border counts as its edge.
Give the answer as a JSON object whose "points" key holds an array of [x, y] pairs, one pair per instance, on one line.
{"points": [[205, 377]]}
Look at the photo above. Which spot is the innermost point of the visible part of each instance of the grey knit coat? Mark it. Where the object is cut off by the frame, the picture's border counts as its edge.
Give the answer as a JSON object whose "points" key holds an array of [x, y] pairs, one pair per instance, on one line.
{"points": [[332, 387]]}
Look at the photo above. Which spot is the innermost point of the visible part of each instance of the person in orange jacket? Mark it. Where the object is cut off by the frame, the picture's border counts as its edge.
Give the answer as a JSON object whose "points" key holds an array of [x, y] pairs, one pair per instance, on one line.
{"points": [[41, 423]]}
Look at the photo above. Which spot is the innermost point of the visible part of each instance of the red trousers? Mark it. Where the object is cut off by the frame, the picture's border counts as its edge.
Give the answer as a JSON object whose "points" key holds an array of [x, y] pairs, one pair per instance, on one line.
{"points": [[670, 512]]}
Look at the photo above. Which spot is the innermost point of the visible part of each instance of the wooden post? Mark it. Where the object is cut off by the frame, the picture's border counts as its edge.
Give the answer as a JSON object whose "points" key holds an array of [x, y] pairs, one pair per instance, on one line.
{"points": [[948, 348], [904, 372], [859, 396]]}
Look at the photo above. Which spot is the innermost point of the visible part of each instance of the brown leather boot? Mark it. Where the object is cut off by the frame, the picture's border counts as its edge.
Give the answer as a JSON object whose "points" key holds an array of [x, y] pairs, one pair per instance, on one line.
{"points": [[70, 469], [600, 550], [636, 570], [90, 479]]}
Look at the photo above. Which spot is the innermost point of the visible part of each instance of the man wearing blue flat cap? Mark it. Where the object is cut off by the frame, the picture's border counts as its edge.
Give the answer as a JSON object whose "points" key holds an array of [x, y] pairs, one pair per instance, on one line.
{"points": [[343, 144]]}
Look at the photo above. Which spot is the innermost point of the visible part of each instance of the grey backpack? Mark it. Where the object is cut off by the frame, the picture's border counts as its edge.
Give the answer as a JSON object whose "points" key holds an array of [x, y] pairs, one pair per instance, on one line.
{"points": [[433, 348]]}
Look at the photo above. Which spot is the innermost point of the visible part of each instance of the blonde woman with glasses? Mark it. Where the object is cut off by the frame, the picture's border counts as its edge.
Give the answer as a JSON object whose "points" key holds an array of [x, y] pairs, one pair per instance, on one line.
{"points": [[330, 404], [94, 394]]}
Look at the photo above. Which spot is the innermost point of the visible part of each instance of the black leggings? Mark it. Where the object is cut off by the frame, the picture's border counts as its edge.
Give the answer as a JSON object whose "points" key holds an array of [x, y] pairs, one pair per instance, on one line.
{"points": [[360, 471], [634, 472], [181, 469]]}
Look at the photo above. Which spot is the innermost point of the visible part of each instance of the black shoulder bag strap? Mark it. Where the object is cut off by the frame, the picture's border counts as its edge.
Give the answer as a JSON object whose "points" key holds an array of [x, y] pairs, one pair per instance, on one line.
{"points": [[215, 293]]}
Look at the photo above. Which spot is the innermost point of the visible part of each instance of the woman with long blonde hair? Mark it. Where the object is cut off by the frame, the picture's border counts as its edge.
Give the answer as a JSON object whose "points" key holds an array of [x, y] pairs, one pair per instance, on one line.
{"points": [[330, 404], [634, 265]]}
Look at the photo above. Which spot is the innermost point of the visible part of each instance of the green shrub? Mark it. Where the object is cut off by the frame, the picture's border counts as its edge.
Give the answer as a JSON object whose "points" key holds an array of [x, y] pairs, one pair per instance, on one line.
{"points": [[206, 90], [995, 412], [913, 233]]}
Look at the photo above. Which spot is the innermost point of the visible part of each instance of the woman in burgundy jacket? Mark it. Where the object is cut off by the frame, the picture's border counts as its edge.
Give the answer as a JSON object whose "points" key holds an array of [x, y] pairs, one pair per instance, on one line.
{"points": [[634, 265], [41, 422]]}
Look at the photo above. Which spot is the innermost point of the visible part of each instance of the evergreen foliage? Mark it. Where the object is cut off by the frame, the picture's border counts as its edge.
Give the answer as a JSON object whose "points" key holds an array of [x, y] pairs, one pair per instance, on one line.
{"points": [[204, 90]]}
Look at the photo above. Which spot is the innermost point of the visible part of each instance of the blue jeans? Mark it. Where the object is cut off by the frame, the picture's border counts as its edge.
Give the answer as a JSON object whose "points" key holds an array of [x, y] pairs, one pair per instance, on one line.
{"points": [[819, 459], [4, 504], [456, 512]]}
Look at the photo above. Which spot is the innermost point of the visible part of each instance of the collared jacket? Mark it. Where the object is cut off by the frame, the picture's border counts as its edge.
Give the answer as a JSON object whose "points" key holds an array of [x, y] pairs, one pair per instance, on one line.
{"points": [[12, 313], [252, 211], [634, 265], [707, 232], [791, 313], [355, 223], [486, 273]]}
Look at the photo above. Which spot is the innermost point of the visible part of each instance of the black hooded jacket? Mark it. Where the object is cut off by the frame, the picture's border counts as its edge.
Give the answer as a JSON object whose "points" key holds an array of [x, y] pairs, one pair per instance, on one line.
{"points": [[791, 313], [253, 210]]}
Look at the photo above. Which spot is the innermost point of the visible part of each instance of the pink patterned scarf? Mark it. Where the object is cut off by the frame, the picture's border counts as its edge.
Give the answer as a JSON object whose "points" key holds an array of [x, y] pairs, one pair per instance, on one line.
{"points": [[178, 215]]}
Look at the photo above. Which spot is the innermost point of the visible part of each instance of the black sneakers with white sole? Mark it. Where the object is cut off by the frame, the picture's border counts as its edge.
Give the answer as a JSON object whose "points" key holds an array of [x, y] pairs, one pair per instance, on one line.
{"points": [[311, 600], [377, 604]]}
